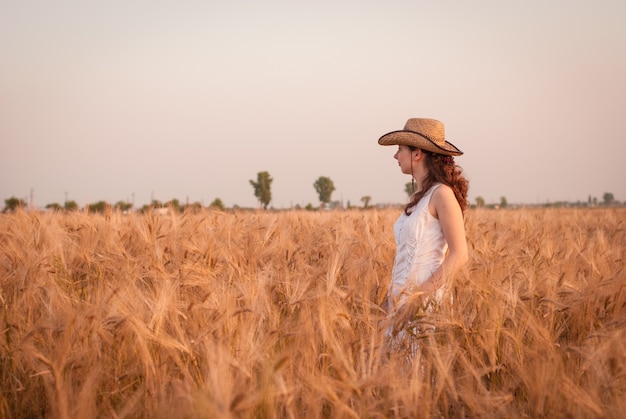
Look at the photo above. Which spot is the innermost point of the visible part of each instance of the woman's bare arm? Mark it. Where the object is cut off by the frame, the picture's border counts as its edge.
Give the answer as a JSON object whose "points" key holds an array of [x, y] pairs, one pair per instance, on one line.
{"points": [[444, 206]]}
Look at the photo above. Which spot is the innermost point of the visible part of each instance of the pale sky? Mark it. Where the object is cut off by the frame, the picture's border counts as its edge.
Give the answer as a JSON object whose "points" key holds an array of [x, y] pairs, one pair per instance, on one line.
{"points": [[115, 100]]}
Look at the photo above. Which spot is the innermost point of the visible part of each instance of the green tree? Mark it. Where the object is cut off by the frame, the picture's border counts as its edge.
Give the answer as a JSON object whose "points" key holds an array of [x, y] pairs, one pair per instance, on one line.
{"points": [[174, 205], [54, 206], [480, 201], [13, 204], [263, 188], [503, 202], [324, 187], [608, 198], [70, 206], [408, 188], [217, 204], [366, 201], [123, 206], [99, 206]]}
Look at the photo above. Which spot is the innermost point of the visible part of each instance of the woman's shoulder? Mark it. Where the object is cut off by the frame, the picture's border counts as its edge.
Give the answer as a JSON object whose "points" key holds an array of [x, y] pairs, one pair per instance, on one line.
{"points": [[439, 189], [441, 186], [443, 195], [442, 191]]}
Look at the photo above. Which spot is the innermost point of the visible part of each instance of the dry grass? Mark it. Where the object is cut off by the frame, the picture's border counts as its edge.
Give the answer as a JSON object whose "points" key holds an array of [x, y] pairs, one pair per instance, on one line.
{"points": [[278, 315]]}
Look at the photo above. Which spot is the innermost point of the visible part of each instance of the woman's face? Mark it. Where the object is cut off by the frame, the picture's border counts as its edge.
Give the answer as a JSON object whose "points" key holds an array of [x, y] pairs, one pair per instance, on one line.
{"points": [[404, 155]]}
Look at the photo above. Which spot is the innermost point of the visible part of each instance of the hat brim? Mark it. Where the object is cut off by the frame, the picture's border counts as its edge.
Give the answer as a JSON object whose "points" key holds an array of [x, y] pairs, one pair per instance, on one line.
{"points": [[414, 139]]}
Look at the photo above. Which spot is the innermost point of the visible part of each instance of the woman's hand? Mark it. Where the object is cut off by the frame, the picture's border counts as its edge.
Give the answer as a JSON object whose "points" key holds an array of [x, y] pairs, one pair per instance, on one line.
{"points": [[408, 310]]}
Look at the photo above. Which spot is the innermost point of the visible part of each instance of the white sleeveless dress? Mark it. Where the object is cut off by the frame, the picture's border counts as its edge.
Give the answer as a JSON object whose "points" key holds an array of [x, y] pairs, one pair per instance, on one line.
{"points": [[420, 249]]}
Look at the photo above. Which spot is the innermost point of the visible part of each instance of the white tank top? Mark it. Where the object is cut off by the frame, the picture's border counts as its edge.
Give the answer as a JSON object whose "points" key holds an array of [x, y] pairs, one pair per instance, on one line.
{"points": [[420, 246]]}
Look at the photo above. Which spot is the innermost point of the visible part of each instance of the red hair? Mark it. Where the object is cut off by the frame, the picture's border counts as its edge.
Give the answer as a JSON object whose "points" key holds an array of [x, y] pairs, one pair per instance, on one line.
{"points": [[441, 169]]}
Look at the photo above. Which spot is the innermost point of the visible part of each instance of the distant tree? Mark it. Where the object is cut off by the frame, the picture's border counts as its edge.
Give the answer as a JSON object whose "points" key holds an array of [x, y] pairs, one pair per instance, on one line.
{"points": [[608, 198], [503, 202], [217, 204], [366, 201], [309, 207], [13, 204], [263, 188], [173, 204], [99, 207], [54, 206], [70, 206], [408, 188], [324, 187], [480, 201], [123, 206], [155, 205], [194, 207]]}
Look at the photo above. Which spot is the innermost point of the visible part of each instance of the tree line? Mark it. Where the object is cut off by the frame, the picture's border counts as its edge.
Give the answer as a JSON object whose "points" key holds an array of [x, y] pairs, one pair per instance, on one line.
{"points": [[262, 187], [324, 186], [608, 199]]}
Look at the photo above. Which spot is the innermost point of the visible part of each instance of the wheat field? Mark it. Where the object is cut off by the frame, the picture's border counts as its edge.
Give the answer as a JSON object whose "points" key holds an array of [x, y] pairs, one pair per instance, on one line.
{"points": [[279, 315]]}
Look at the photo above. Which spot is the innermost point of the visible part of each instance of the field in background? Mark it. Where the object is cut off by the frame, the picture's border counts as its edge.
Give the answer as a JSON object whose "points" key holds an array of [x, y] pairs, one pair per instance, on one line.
{"points": [[279, 315]]}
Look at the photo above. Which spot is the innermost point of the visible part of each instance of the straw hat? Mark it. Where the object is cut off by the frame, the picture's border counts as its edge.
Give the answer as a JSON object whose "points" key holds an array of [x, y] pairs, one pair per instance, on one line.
{"points": [[423, 133]]}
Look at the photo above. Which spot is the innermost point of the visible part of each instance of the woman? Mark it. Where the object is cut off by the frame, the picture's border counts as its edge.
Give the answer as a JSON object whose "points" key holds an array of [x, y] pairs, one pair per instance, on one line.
{"points": [[430, 232]]}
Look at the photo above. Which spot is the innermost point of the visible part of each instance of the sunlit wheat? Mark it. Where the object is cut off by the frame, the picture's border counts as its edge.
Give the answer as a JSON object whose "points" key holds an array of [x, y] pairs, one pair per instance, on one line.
{"points": [[280, 314]]}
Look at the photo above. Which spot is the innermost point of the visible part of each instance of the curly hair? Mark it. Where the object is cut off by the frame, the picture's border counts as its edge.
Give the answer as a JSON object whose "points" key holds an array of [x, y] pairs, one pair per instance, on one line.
{"points": [[441, 169]]}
